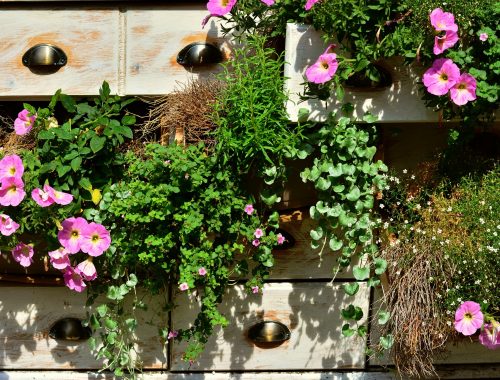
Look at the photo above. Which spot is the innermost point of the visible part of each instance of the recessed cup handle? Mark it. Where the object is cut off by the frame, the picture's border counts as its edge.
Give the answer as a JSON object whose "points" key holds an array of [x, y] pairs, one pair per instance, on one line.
{"points": [[199, 54], [269, 332], [44, 56], [70, 329]]}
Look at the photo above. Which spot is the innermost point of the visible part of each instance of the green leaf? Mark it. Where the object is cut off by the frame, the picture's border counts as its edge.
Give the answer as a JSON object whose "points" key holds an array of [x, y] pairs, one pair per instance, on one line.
{"points": [[322, 184], [387, 341], [97, 143], [373, 282], [110, 324], [128, 120], [46, 135], [76, 163], [132, 281], [68, 102], [353, 194], [362, 331], [317, 233], [335, 244], [85, 184], [369, 118], [347, 331], [380, 265], [351, 288], [361, 273], [302, 115], [62, 170], [383, 317], [54, 99]]}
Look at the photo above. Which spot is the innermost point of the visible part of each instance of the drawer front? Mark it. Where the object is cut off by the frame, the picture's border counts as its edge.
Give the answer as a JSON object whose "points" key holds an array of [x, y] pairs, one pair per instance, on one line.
{"points": [[311, 311], [28, 313], [155, 37], [89, 38]]}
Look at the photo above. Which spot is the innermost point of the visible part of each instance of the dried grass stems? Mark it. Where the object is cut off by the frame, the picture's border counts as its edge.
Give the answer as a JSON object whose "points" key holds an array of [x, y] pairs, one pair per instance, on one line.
{"points": [[186, 114], [419, 275], [11, 143]]}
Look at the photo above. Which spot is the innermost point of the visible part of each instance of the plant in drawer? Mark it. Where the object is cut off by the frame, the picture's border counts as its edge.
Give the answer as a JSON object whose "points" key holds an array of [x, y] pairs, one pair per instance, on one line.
{"points": [[443, 254], [374, 43]]}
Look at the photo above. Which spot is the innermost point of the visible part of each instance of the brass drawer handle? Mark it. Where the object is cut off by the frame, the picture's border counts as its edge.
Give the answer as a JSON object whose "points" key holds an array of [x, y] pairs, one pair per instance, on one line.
{"points": [[269, 332], [70, 329], [199, 54], [44, 55]]}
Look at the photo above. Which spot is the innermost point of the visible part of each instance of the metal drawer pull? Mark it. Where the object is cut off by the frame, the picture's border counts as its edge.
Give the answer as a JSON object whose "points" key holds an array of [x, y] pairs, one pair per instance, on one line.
{"points": [[44, 55], [199, 54], [69, 329], [269, 332]]}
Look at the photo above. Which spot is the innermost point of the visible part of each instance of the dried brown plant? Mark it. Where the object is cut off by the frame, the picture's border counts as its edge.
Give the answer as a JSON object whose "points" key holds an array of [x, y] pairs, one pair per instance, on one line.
{"points": [[186, 114]]}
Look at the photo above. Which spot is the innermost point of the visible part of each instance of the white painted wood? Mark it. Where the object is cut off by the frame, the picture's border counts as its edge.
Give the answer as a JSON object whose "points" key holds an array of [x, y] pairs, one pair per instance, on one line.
{"points": [[89, 37], [301, 261], [27, 314], [400, 103], [310, 310], [154, 38]]}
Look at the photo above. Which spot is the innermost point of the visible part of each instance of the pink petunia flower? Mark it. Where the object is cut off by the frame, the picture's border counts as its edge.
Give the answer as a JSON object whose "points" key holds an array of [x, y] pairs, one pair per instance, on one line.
{"points": [[255, 289], [12, 191], [468, 318], [42, 198], [324, 68], [309, 4], [268, 2], [280, 238], [249, 209], [87, 270], [490, 335], [59, 197], [256, 242], [95, 239], [173, 334], [183, 287], [74, 280], [23, 254], [11, 166], [220, 7], [441, 43], [59, 258], [7, 225], [483, 36], [71, 236], [24, 122], [443, 20], [258, 233], [441, 76], [464, 90], [202, 271]]}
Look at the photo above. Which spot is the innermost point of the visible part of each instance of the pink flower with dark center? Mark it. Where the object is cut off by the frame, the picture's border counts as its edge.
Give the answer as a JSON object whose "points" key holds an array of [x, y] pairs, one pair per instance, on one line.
{"points": [[183, 287], [443, 20], [490, 335], [324, 68], [268, 2], [59, 197], [464, 90], [249, 209], [95, 239], [483, 36], [12, 191], [7, 225], [220, 7], [441, 43], [23, 254], [87, 270], [59, 258], [280, 238], [255, 289], [202, 271], [24, 122], [173, 334], [256, 242], [258, 233], [42, 198], [11, 166], [441, 76], [309, 4], [74, 280], [468, 318], [71, 236]]}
